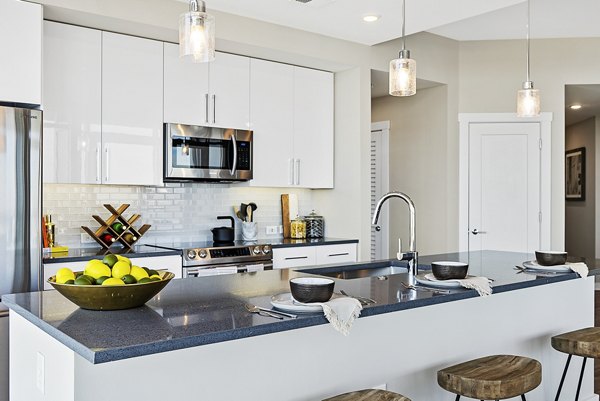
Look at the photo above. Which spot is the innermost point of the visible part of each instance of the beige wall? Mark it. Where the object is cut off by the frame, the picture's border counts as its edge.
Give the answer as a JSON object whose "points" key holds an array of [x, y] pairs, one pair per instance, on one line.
{"points": [[418, 162], [580, 216]]}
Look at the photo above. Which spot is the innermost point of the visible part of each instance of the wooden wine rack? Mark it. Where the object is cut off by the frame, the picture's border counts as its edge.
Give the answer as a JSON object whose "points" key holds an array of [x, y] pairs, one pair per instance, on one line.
{"points": [[106, 227]]}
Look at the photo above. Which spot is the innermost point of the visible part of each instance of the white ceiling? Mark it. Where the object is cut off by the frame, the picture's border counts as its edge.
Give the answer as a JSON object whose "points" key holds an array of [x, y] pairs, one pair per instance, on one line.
{"points": [[343, 18], [587, 96]]}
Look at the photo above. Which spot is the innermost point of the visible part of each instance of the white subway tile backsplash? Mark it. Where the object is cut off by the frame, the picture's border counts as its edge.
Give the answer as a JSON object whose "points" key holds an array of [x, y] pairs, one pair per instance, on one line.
{"points": [[177, 212]]}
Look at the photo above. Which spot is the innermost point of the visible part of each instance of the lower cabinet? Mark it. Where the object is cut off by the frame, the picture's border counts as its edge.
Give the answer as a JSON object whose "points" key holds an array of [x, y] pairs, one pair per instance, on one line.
{"points": [[172, 263], [3, 358], [300, 256]]}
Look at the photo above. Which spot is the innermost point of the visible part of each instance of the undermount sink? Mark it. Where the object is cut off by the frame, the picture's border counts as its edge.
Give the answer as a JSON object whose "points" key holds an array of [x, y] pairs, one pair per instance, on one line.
{"points": [[375, 269]]}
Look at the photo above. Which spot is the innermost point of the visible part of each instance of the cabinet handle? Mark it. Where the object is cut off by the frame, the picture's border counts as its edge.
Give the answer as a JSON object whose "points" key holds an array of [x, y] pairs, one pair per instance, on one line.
{"points": [[339, 254], [214, 109], [291, 172], [107, 163], [296, 257], [98, 172], [297, 172], [206, 103]]}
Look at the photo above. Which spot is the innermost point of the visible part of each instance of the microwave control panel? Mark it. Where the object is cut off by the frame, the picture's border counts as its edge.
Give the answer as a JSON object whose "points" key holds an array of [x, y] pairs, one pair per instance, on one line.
{"points": [[243, 153]]}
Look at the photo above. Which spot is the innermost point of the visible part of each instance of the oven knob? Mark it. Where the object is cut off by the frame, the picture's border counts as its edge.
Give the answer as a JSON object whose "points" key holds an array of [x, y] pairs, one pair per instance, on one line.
{"points": [[191, 254], [256, 250], [266, 249], [202, 253]]}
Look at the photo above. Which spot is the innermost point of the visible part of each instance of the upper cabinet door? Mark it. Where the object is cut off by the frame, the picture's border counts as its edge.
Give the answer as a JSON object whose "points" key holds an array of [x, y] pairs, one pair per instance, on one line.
{"points": [[272, 100], [132, 110], [313, 128], [186, 89], [21, 49], [230, 91], [72, 104]]}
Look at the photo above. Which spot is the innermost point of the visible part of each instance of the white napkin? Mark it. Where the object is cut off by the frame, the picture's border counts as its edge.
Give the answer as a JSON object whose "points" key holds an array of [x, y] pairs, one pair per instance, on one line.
{"points": [[479, 284], [579, 268], [341, 313]]}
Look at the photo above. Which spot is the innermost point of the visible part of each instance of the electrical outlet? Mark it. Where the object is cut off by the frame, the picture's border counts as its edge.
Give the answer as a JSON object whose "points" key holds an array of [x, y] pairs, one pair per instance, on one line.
{"points": [[271, 230], [40, 376], [86, 239]]}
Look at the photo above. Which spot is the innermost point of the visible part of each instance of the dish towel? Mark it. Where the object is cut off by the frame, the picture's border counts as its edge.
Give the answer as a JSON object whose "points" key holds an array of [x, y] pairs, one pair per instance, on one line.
{"points": [[479, 284], [579, 268], [341, 313]]}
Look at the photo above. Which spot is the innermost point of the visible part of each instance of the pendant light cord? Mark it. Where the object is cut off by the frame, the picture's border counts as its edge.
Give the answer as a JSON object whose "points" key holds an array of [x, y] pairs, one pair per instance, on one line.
{"points": [[528, 28], [403, 22]]}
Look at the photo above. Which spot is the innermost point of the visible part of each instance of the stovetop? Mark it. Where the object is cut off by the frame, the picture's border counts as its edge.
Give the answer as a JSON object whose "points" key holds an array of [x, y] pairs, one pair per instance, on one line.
{"points": [[182, 246], [205, 253]]}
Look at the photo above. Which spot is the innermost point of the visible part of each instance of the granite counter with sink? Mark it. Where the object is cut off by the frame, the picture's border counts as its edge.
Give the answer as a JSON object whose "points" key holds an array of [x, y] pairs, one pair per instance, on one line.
{"points": [[205, 318]]}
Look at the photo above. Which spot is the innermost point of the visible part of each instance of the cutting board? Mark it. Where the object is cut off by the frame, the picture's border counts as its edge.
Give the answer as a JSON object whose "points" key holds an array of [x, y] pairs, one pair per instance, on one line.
{"points": [[289, 211]]}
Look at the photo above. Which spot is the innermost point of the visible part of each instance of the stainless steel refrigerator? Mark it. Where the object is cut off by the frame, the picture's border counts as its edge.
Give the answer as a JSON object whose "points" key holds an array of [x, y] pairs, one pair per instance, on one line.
{"points": [[20, 213], [20, 200]]}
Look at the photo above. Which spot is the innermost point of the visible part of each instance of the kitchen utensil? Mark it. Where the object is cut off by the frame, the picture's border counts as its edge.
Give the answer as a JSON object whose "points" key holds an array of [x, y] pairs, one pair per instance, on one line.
{"points": [[449, 270], [551, 258], [256, 309], [315, 226], [362, 300], [249, 213], [253, 206], [311, 289], [424, 280], [224, 234], [533, 265], [423, 288], [535, 272]]}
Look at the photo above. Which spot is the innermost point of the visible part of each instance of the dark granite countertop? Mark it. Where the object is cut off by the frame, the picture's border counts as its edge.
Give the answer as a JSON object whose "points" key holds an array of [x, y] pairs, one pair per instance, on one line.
{"points": [[198, 311], [289, 242], [82, 254]]}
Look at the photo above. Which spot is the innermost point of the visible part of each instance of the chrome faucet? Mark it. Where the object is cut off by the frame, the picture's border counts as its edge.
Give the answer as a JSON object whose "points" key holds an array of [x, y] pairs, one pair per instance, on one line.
{"points": [[412, 255]]}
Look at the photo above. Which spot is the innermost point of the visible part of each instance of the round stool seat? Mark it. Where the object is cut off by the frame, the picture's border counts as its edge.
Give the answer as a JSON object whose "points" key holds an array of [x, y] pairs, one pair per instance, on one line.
{"points": [[584, 342], [494, 377], [369, 395]]}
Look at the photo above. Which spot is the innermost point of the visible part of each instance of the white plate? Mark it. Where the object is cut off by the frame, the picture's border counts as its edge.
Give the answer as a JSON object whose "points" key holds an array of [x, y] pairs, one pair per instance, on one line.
{"points": [[533, 265], [430, 281], [286, 303]]}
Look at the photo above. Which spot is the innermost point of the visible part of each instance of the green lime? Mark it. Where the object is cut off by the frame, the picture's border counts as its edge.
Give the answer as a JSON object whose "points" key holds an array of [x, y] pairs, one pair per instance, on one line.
{"points": [[70, 282], [110, 260], [145, 280], [147, 270], [152, 273], [89, 278], [129, 279], [100, 280], [155, 278], [82, 280]]}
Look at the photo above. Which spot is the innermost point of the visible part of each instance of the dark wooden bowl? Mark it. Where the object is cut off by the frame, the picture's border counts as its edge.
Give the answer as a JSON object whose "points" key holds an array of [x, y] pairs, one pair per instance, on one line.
{"points": [[449, 270], [311, 289], [550, 258]]}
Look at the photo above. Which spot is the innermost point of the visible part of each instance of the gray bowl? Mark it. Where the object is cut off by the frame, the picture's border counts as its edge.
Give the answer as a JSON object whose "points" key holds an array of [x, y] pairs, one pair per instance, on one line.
{"points": [[551, 258], [449, 270], [311, 289]]}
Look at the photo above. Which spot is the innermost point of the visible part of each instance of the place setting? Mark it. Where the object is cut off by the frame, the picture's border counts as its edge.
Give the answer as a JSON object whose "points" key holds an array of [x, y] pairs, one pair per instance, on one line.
{"points": [[446, 276], [551, 263]]}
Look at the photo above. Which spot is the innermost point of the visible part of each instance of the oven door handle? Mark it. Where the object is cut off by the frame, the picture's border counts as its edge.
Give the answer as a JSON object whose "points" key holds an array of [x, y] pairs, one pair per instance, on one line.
{"points": [[235, 155]]}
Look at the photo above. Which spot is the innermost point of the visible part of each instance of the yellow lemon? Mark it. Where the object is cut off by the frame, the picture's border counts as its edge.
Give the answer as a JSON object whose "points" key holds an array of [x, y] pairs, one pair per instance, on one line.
{"points": [[97, 270], [113, 281], [123, 259], [138, 272], [64, 274], [120, 269], [155, 277]]}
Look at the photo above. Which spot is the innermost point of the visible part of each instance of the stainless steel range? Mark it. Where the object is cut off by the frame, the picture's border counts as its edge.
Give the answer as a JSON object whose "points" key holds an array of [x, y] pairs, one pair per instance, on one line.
{"points": [[209, 258]]}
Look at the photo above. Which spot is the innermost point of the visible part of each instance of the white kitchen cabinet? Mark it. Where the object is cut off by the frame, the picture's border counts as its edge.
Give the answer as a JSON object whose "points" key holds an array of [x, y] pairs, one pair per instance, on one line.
{"points": [[271, 88], [209, 94], [72, 106], [292, 120], [308, 256], [21, 49], [3, 356], [171, 263], [132, 110]]}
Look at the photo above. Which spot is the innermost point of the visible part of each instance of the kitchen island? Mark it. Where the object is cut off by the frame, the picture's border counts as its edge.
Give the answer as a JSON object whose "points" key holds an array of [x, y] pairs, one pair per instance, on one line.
{"points": [[196, 341]]}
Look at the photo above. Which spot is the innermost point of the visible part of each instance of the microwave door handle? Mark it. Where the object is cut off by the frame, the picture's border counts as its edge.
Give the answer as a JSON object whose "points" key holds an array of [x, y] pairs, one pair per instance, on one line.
{"points": [[234, 167]]}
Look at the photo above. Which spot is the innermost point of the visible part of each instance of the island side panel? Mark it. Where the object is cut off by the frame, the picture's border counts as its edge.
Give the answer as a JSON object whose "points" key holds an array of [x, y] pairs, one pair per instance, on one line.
{"points": [[402, 349], [41, 368]]}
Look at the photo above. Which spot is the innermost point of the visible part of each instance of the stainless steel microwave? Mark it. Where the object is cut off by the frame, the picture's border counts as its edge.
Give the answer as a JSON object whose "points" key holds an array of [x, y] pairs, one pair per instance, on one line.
{"points": [[197, 153]]}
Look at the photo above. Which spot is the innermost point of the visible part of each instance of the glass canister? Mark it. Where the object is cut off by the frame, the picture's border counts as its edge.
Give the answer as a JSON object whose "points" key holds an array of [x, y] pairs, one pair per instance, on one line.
{"points": [[298, 228], [315, 226]]}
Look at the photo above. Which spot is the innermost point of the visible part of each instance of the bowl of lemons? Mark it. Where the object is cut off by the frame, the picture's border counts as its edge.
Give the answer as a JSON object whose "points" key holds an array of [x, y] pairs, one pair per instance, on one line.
{"points": [[110, 284]]}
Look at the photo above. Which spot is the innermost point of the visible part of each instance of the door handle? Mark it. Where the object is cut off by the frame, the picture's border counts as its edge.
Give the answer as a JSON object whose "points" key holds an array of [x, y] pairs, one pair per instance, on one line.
{"points": [[214, 109], [98, 168], [476, 232], [107, 163], [235, 156], [291, 172], [206, 104], [297, 172]]}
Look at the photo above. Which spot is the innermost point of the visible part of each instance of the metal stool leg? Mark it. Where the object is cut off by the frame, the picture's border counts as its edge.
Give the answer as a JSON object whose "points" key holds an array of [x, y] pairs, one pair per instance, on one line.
{"points": [[580, 379], [562, 380], [523, 397], [457, 397]]}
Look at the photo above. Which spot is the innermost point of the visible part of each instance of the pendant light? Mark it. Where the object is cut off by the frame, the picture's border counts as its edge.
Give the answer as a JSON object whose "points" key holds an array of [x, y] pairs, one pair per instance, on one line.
{"points": [[403, 70], [197, 33], [528, 99]]}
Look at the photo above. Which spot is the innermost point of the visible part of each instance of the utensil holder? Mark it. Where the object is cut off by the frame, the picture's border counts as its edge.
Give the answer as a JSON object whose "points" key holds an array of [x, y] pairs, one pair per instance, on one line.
{"points": [[249, 231]]}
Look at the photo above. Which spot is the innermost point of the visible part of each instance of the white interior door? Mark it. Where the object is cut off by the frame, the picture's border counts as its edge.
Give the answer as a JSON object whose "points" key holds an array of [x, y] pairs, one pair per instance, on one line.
{"points": [[380, 133], [504, 186]]}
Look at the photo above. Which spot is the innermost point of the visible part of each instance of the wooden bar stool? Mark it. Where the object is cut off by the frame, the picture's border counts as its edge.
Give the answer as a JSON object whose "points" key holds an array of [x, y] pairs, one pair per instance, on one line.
{"points": [[585, 343], [495, 377], [369, 395]]}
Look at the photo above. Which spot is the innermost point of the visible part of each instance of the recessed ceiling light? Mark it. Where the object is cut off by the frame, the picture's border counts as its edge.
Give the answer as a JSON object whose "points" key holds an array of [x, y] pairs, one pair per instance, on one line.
{"points": [[575, 107], [371, 18]]}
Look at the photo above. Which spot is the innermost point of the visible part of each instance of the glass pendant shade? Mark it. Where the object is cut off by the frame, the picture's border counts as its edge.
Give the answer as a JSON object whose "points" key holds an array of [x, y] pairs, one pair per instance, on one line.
{"points": [[528, 101], [197, 36], [403, 76]]}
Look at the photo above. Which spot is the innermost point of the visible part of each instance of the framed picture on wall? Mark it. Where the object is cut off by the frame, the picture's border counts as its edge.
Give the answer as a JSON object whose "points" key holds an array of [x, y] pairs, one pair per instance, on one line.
{"points": [[575, 175]]}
